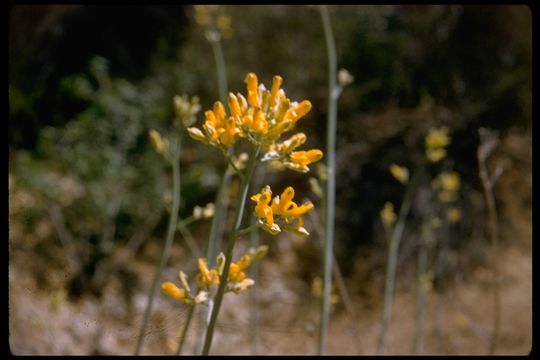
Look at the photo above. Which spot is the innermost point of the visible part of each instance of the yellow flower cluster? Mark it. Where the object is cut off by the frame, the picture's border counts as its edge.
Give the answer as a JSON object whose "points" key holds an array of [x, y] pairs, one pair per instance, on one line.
{"points": [[447, 184], [206, 278], [186, 110], [436, 141], [282, 212], [215, 20], [261, 118]]}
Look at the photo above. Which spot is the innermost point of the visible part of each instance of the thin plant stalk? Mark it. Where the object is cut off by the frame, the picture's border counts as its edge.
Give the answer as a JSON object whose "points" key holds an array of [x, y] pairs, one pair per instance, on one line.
{"points": [[220, 69], [330, 192], [485, 148], [426, 239], [343, 292], [185, 330], [253, 306], [188, 236], [393, 250], [221, 201], [222, 197], [238, 211], [173, 219]]}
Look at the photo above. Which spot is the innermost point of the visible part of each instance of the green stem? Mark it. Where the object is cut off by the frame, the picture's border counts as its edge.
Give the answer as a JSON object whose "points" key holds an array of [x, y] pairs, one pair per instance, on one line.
{"points": [[221, 70], [331, 180], [168, 242], [184, 332], [392, 260], [254, 273], [239, 211]]}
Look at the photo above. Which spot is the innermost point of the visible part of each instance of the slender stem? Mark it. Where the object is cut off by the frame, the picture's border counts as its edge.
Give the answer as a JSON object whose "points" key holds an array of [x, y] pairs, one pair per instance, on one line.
{"points": [[239, 211], [494, 233], [184, 332], [221, 70], [391, 266], [249, 230], [427, 238], [222, 200], [331, 180], [254, 273], [343, 292], [190, 240], [168, 242]]}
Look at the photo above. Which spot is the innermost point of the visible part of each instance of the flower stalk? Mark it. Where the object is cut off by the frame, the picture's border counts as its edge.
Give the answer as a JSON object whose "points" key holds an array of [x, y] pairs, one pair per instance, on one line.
{"points": [[238, 211], [173, 219], [331, 180]]}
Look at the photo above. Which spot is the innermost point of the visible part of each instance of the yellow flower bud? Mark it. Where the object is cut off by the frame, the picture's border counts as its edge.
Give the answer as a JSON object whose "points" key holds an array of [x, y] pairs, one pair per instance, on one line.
{"points": [[401, 173], [388, 216]]}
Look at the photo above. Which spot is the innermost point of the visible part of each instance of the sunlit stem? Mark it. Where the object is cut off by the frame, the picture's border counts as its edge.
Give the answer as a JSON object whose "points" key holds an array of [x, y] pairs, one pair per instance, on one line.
{"points": [[393, 250], [173, 219], [331, 180], [238, 211]]}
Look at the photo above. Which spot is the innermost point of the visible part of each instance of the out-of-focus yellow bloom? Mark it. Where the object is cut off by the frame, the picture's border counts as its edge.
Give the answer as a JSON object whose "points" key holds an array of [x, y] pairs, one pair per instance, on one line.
{"points": [[214, 20], [453, 214], [206, 277], [435, 155], [388, 216], [186, 110], [401, 173], [436, 141], [448, 183], [282, 210], [437, 138], [160, 145]]}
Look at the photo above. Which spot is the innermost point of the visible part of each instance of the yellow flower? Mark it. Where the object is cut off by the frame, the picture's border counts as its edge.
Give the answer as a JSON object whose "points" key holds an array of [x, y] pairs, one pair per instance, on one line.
{"points": [[453, 214], [437, 138], [263, 209], [253, 90], [282, 209], [287, 208], [435, 141], [401, 173], [173, 291], [388, 216], [205, 277], [299, 160], [236, 273], [450, 181], [435, 155]]}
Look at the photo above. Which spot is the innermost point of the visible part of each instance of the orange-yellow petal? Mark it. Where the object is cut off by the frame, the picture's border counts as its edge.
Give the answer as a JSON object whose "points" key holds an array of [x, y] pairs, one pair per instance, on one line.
{"points": [[173, 291]]}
